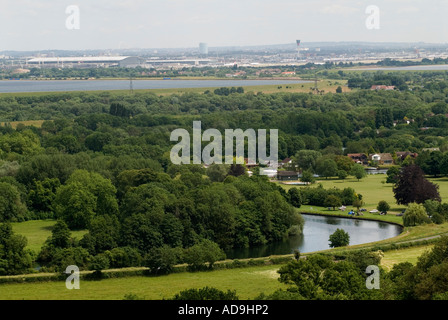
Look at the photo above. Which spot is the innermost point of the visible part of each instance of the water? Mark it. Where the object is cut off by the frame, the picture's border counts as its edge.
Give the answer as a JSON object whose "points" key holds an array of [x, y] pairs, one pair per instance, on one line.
{"points": [[376, 171], [435, 67], [99, 85], [316, 232]]}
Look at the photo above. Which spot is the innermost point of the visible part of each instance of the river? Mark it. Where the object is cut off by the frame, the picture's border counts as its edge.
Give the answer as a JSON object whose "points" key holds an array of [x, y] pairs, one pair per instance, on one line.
{"points": [[316, 232], [104, 85]]}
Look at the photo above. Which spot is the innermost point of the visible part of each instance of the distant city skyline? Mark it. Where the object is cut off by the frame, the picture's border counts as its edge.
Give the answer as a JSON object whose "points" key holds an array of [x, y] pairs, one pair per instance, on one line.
{"points": [[29, 25]]}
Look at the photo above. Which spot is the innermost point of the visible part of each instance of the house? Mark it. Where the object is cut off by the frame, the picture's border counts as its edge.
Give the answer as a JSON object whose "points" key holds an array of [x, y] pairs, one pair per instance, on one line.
{"points": [[360, 158], [250, 163], [382, 158], [382, 87], [285, 162], [404, 154], [287, 175]]}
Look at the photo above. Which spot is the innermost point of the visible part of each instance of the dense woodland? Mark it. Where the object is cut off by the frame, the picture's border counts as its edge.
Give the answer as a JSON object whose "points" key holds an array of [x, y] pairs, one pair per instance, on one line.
{"points": [[100, 162]]}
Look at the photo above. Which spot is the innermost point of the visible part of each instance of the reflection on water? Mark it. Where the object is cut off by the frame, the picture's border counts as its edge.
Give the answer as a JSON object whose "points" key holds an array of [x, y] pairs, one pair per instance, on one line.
{"points": [[316, 232], [330, 220]]}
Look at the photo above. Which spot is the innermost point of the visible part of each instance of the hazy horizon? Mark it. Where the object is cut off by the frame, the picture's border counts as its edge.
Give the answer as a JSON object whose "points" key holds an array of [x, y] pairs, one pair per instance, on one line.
{"points": [[148, 24]]}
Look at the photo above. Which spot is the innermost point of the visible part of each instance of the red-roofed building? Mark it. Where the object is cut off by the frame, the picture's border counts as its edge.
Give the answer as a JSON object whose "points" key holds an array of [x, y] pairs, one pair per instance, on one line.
{"points": [[360, 158]]}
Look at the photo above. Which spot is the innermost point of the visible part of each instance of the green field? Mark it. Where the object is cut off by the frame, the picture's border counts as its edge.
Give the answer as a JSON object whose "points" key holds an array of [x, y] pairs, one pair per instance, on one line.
{"points": [[37, 231], [374, 188], [248, 283], [403, 255]]}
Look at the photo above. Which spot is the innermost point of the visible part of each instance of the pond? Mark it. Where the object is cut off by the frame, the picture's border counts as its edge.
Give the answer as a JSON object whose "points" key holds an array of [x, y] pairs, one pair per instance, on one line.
{"points": [[316, 232]]}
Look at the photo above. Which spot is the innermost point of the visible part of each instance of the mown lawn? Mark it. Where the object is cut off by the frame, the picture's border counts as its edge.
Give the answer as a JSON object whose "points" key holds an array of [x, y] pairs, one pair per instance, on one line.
{"points": [[248, 283]]}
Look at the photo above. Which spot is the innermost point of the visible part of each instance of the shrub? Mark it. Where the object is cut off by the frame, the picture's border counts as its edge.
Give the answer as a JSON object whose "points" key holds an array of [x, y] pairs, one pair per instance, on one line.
{"points": [[206, 293], [383, 206], [437, 218]]}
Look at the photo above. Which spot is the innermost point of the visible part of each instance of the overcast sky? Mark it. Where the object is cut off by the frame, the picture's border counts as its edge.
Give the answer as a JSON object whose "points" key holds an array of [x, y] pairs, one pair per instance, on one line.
{"points": [[114, 24]]}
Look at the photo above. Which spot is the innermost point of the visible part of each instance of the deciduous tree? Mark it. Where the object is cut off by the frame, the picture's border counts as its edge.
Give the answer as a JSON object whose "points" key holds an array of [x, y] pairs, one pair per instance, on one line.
{"points": [[412, 186]]}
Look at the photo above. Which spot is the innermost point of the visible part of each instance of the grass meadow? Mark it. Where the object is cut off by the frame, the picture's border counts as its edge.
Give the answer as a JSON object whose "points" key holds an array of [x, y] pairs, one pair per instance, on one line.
{"points": [[373, 189], [248, 282], [37, 231]]}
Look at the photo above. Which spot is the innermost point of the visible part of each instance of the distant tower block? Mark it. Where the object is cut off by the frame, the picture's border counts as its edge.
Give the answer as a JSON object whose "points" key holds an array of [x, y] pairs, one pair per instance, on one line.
{"points": [[298, 49], [203, 49]]}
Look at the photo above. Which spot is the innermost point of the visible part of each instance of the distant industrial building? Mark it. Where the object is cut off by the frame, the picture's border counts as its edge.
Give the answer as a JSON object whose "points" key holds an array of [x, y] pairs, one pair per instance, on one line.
{"points": [[175, 62], [84, 62], [203, 49]]}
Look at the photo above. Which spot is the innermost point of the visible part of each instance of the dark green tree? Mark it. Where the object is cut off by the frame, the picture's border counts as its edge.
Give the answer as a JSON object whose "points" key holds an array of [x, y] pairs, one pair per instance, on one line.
{"points": [[358, 171], [339, 238], [99, 263], [14, 258], [161, 260], [11, 206], [332, 201], [326, 167], [392, 174], [43, 193], [204, 252], [295, 197]]}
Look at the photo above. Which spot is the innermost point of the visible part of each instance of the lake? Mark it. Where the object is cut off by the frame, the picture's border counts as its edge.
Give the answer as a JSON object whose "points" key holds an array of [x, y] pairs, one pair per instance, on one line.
{"points": [[434, 67], [104, 85], [316, 232]]}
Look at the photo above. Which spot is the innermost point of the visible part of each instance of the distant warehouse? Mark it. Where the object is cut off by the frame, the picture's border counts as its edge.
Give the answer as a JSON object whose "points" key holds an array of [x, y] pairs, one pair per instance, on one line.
{"points": [[85, 62]]}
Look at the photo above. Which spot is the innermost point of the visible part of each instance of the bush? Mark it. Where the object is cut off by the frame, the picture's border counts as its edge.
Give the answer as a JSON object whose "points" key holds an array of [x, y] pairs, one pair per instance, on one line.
{"points": [[206, 293], [383, 206], [437, 218]]}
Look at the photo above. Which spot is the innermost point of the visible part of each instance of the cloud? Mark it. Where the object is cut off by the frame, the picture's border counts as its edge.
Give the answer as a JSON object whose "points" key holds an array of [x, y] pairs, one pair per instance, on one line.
{"points": [[340, 9], [408, 10], [40, 24]]}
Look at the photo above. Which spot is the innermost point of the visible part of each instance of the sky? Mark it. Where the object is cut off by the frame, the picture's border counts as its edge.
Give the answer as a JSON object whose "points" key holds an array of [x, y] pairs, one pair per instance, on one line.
{"points": [[124, 24]]}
